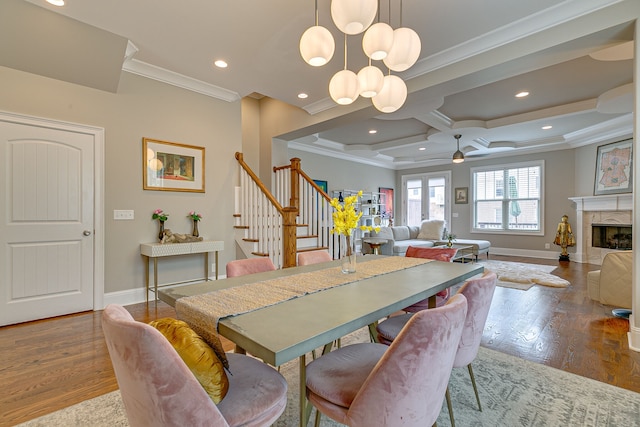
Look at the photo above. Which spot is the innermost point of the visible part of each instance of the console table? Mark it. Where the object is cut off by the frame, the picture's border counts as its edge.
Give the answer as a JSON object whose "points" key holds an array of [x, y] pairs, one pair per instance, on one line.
{"points": [[158, 250]]}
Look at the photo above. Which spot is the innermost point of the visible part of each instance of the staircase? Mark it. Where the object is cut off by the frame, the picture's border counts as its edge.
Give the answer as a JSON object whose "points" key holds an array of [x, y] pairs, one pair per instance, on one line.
{"points": [[296, 217]]}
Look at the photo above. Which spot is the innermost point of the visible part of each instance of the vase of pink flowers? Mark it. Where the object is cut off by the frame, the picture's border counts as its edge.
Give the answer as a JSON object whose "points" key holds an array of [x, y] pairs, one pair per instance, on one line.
{"points": [[161, 217], [196, 217]]}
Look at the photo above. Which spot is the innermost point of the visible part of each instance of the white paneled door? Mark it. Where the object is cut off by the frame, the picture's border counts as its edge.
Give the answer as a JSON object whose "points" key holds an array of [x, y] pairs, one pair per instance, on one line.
{"points": [[46, 222]]}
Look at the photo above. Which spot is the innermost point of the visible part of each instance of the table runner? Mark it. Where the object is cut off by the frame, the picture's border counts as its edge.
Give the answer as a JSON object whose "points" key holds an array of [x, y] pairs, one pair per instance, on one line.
{"points": [[203, 312]]}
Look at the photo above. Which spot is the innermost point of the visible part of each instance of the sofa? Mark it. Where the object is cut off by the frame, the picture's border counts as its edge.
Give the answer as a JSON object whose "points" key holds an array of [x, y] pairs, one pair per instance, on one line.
{"points": [[611, 285], [430, 233]]}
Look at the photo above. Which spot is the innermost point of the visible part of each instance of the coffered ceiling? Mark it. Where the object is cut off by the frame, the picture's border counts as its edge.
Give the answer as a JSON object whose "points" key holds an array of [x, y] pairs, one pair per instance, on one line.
{"points": [[476, 55]]}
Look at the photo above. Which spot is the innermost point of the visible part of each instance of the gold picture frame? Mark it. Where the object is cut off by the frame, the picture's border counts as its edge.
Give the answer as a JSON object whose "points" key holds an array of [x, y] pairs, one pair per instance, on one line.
{"points": [[171, 166]]}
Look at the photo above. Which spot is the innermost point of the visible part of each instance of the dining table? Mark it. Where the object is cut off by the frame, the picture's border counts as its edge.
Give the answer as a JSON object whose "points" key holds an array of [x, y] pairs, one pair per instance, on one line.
{"points": [[285, 314]]}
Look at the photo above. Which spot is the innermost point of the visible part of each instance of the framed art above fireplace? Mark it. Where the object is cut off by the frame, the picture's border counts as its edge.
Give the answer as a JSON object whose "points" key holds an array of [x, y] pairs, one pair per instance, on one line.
{"points": [[614, 169]]}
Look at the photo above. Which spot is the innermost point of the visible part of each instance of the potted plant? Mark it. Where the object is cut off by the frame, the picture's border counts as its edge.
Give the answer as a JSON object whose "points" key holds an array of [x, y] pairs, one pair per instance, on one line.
{"points": [[450, 238]]}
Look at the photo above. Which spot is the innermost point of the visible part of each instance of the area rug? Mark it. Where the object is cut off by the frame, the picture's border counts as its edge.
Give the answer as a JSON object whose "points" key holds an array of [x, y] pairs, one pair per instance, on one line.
{"points": [[513, 391], [523, 276]]}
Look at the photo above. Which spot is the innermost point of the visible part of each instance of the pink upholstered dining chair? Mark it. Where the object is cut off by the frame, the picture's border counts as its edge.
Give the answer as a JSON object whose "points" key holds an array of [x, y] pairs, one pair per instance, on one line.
{"points": [[438, 254], [158, 389], [313, 257], [479, 293], [242, 267], [369, 384]]}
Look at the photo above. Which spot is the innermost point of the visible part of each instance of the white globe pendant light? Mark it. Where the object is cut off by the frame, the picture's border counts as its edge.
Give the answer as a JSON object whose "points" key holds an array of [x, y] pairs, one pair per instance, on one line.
{"points": [[404, 51], [317, 46], [353, 16], [370, 79], [392, 96], [377, 41], [344, 87]]}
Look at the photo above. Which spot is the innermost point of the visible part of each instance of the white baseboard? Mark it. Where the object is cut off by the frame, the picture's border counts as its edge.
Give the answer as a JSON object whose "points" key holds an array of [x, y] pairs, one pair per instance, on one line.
{"points": [[136, 296], [529, 253], [128, 297], [633, 335]]}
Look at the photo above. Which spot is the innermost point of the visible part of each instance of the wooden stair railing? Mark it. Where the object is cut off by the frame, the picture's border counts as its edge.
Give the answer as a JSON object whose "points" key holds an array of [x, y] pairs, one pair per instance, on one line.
{"points": [[293, 185], [268, 223]]}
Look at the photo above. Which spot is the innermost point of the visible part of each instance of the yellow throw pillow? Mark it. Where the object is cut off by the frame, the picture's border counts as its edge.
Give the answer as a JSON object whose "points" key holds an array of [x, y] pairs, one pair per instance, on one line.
{"points": [[197, 354]]}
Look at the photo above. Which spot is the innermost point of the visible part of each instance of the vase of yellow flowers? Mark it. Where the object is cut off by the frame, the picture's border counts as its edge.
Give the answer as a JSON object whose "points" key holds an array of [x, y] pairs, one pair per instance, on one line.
{"points": [[345, 221]]}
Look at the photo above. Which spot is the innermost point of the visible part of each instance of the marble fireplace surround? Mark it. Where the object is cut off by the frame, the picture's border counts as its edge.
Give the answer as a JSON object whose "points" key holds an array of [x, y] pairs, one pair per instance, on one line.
{"points": [[611, 209]]}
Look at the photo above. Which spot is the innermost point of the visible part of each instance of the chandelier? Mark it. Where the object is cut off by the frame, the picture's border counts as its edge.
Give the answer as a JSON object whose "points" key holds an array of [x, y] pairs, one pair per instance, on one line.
{"points": [[398, 50]]}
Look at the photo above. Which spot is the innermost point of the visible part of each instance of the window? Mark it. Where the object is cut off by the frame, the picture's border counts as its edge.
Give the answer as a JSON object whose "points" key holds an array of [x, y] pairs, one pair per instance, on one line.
{"points": [[508, 198], [425, 197]]}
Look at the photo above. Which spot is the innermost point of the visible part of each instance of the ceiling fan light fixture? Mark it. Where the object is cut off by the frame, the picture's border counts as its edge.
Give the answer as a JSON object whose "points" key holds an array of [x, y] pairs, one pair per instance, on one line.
{"points": [[392, 96], [353, 16], [370, 79], [344, 87], [405, 50], [377, 41], [458, 156], [317, 46]]}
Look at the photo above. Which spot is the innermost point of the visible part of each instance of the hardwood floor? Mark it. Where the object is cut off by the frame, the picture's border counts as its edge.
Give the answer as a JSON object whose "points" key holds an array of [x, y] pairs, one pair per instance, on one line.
{"points": [[50, 364]]}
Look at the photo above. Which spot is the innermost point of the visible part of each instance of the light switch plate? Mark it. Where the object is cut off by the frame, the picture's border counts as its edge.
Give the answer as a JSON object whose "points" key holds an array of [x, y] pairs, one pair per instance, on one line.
{"points": [[123, 214]]}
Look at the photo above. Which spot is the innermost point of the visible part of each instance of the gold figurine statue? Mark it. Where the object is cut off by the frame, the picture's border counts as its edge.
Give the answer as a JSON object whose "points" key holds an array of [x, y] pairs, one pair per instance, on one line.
{"points": [[564, 237]]}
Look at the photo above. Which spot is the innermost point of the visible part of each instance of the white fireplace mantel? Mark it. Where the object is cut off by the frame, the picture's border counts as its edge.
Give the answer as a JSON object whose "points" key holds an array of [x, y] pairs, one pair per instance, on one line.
{"points": [[617, 202], [616, 208]]}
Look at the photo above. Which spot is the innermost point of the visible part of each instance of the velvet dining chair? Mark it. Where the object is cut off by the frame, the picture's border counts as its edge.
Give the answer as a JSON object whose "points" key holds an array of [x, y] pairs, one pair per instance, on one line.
{"points": [[158, 389], [479, 294], [242, 267], [404, 384], [438, 254], [314, 257]]}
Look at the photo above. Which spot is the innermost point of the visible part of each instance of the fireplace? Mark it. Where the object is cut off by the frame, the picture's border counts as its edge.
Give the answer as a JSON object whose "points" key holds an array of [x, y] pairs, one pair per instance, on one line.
{"points": [[611, 236], [593, 212]]}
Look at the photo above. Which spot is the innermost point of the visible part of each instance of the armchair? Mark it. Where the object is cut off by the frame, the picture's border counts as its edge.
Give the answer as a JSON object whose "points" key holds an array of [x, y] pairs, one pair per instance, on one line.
{"points": [[611, 285]]}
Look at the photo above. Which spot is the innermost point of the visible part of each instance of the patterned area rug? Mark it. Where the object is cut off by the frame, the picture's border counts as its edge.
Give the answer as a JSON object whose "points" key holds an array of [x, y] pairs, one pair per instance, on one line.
{"points": [[523, 276], [513, 392]]}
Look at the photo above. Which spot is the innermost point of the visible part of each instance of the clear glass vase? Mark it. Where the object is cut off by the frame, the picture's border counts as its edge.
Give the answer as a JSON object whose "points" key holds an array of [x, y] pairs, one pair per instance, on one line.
{"points": [[348, 253]]}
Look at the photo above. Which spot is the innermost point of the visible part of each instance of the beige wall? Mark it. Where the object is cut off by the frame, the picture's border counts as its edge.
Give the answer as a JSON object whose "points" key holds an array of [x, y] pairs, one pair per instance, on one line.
{"points": [[342, 174], [563, 170], [144, 108]]}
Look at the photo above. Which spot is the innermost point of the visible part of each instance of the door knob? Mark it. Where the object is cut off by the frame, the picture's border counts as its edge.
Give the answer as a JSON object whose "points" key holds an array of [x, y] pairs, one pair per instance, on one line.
{"points": [[86, 233]]}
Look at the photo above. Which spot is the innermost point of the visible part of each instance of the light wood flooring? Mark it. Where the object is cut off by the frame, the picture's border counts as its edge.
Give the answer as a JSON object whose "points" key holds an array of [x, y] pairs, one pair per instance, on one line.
{"points": [[51, 364]]}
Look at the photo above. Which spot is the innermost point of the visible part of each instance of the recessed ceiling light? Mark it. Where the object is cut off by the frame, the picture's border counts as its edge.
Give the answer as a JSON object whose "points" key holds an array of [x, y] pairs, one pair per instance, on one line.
{"points": [[220, 63], [522, 94], [422, 148], [547, 127], [303, 95], [56, 2], [372, 131]]}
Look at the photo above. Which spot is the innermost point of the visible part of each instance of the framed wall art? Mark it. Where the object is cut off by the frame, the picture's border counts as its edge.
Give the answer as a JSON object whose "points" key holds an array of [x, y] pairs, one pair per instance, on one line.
{"points": [[322, 184], [387, 197], [171, 166], [461, 195], [613, 168]]}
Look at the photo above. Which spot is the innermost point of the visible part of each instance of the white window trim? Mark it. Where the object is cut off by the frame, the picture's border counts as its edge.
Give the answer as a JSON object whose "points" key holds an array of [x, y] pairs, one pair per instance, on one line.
{"points": [[447, 193], [472, 201]]}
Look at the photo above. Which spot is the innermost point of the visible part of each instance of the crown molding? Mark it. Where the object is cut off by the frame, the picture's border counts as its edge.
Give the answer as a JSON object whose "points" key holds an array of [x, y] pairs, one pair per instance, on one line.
{"points": [[522, 28], [143, 69]]}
